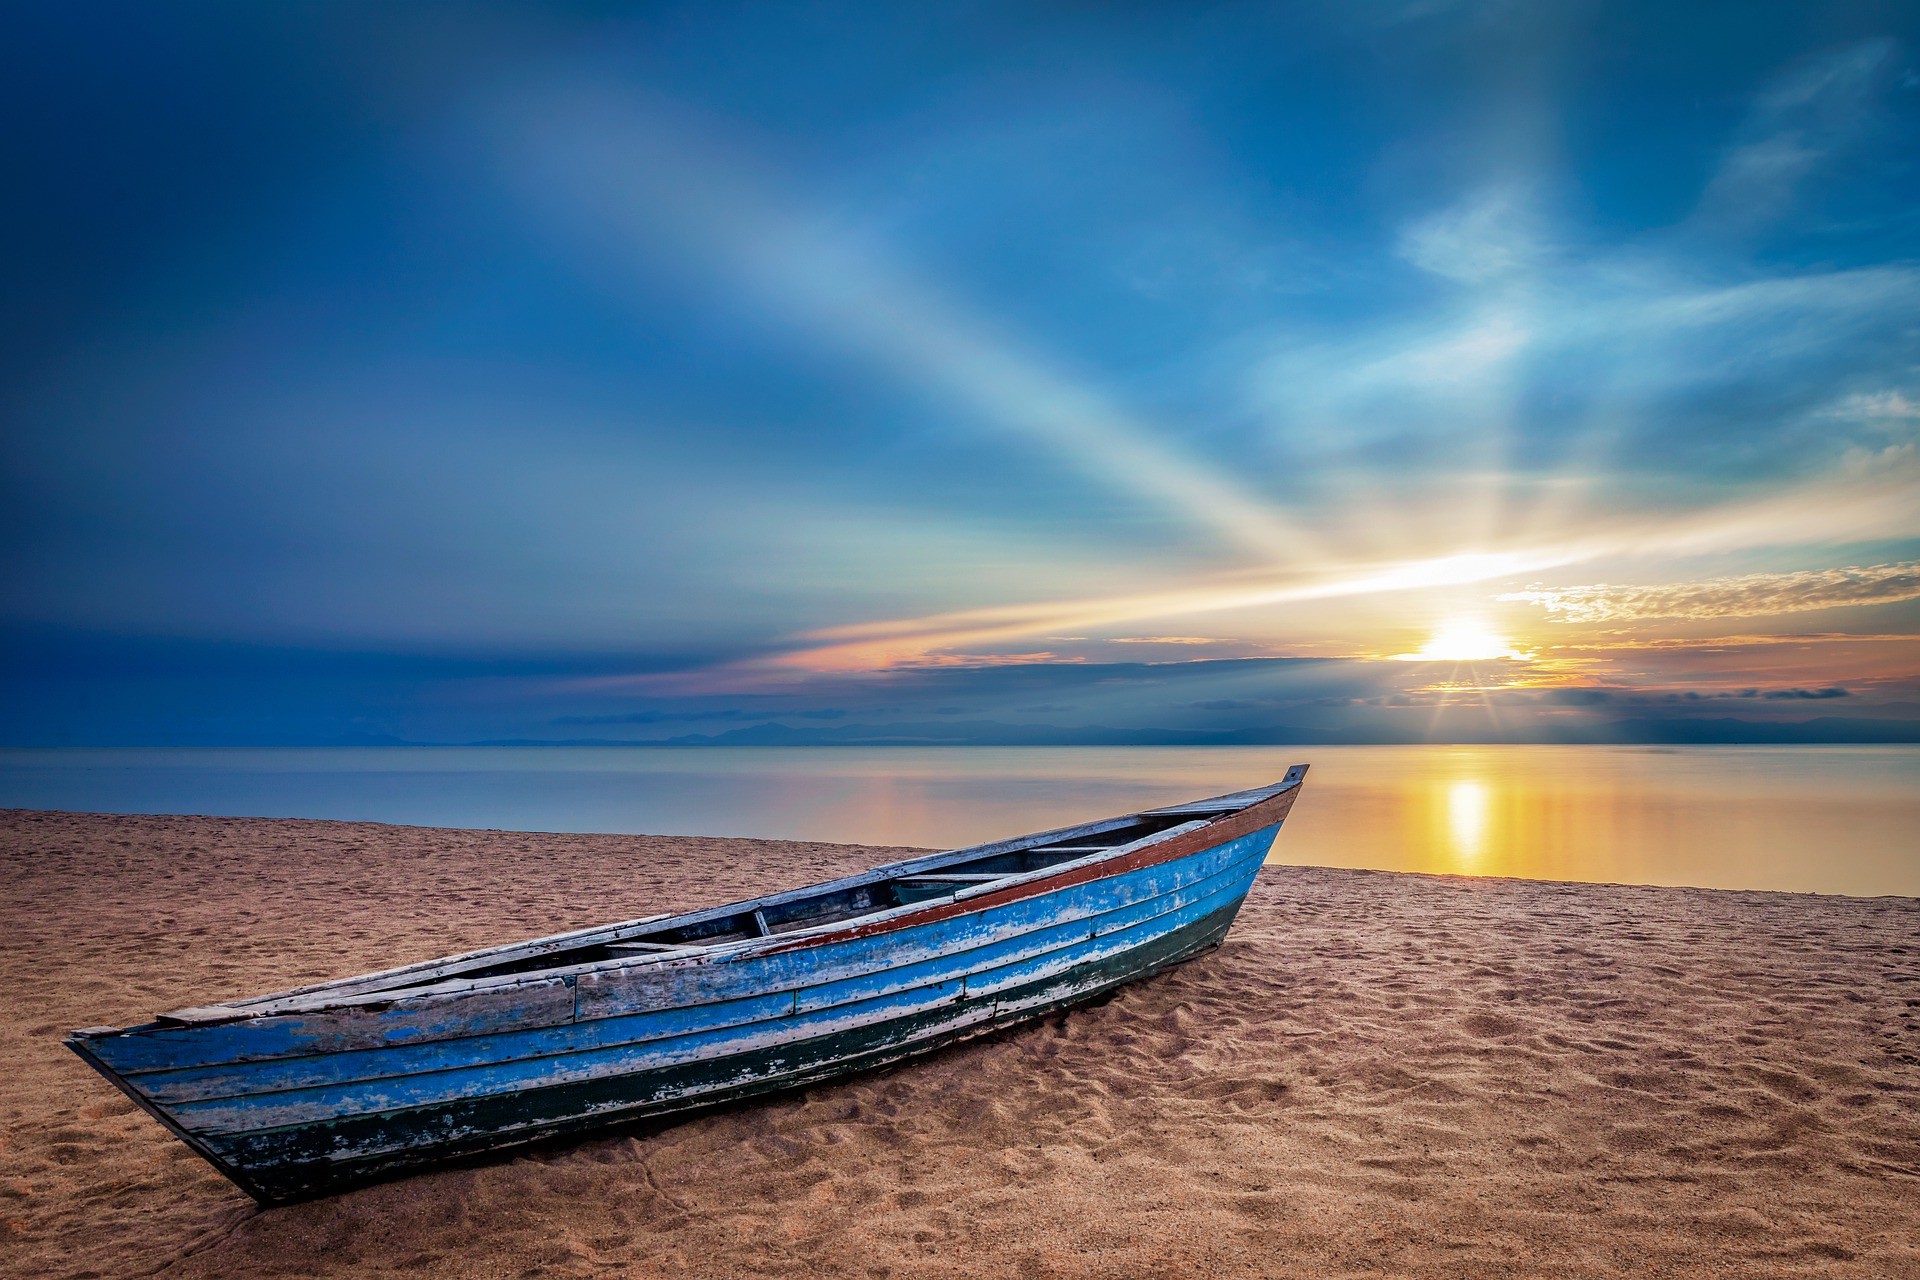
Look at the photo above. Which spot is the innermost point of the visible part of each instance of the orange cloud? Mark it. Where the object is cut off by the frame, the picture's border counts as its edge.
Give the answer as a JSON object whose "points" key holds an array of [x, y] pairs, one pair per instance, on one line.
{"points": [[1746, 596]]}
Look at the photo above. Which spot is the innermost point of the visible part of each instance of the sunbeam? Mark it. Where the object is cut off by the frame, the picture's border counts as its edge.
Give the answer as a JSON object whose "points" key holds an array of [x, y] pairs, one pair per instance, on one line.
{"points": [[1835, 508], [709, 359], [638, 176]]}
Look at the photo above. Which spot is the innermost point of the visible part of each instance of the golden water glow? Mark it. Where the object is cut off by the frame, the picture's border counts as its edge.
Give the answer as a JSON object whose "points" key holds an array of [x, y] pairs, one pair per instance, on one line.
{"points": [[1467, 821]]}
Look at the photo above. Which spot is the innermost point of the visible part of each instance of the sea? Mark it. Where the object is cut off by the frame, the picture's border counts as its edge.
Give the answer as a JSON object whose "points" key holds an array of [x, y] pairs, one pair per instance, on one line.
{"points": [[1838, 820]]}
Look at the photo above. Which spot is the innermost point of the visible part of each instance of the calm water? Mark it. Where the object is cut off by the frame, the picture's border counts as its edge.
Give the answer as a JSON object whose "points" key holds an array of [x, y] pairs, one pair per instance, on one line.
{"points": [[1825, 819]]}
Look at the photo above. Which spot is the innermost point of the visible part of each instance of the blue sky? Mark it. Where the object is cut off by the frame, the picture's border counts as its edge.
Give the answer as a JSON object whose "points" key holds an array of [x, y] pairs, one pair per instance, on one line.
{"points": [[1415, 371]]}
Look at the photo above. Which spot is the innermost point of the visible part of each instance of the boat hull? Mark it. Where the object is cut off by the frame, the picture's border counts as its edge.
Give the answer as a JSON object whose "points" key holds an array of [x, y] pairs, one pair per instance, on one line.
{"points": [[299, 1163], [286, 1119]]}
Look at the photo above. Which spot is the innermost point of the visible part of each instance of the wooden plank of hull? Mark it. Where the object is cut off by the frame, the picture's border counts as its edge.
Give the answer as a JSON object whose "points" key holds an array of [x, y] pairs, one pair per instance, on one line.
{"points": [[409, 1019], [304, 1161], [837, 978], [991, 971]]}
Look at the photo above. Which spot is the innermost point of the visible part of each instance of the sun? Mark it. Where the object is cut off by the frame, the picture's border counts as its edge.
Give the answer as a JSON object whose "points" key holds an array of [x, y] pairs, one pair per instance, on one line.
{"points": [[1464, 640]]}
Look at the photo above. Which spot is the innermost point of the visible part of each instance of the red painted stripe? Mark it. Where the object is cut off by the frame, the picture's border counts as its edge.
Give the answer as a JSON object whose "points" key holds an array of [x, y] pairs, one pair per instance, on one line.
{"points": [[1218, 832]]}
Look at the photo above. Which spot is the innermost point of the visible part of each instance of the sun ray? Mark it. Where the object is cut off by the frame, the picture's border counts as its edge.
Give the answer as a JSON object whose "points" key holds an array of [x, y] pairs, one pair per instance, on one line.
{"points": [[616, 163]]}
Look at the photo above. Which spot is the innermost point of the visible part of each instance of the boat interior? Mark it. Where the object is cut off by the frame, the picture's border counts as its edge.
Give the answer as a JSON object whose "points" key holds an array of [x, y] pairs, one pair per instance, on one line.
{"points": [[786, 913]]}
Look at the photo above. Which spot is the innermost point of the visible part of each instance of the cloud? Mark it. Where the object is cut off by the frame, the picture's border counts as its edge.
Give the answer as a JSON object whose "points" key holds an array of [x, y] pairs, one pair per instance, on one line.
{"points": [[1823, 694], [1746, 596], [695, 716], [1829, 509], [1638, 342], [929, 640], [1691, 644], [1887, 409], [1585, 696], [1820, 106], [1488, 235], [1576, 697]]}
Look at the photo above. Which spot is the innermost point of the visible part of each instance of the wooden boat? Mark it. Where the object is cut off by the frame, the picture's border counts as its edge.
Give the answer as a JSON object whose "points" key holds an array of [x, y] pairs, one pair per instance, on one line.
{"points": [[306, 1092]]}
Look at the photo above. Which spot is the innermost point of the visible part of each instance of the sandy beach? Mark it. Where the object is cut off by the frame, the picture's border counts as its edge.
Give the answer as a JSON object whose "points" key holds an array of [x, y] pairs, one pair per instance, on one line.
{"points": [[1378, 1075]]}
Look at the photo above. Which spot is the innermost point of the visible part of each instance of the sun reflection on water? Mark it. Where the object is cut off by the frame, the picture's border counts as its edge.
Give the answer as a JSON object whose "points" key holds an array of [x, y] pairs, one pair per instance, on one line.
{"points": [[1466, 833]]}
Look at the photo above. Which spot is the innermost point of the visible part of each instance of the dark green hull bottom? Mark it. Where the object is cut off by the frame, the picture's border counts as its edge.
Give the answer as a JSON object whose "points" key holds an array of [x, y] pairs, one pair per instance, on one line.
{"points": [[305, 1161]]}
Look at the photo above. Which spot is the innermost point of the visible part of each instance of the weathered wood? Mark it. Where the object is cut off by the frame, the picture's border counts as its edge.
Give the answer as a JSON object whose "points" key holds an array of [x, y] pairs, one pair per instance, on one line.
{"points": [[295, 1163], [1019, 934], [449, 966], [305, 1091]]}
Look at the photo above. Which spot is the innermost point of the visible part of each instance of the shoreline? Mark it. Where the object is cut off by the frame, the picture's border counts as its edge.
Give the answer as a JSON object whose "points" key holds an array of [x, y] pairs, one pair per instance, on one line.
{"points": [[1380, 1072], [883, 853]]}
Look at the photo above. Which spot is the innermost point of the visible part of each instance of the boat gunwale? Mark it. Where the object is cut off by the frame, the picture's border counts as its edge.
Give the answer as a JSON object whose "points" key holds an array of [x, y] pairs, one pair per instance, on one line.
{"points": [[1271, 808]]}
